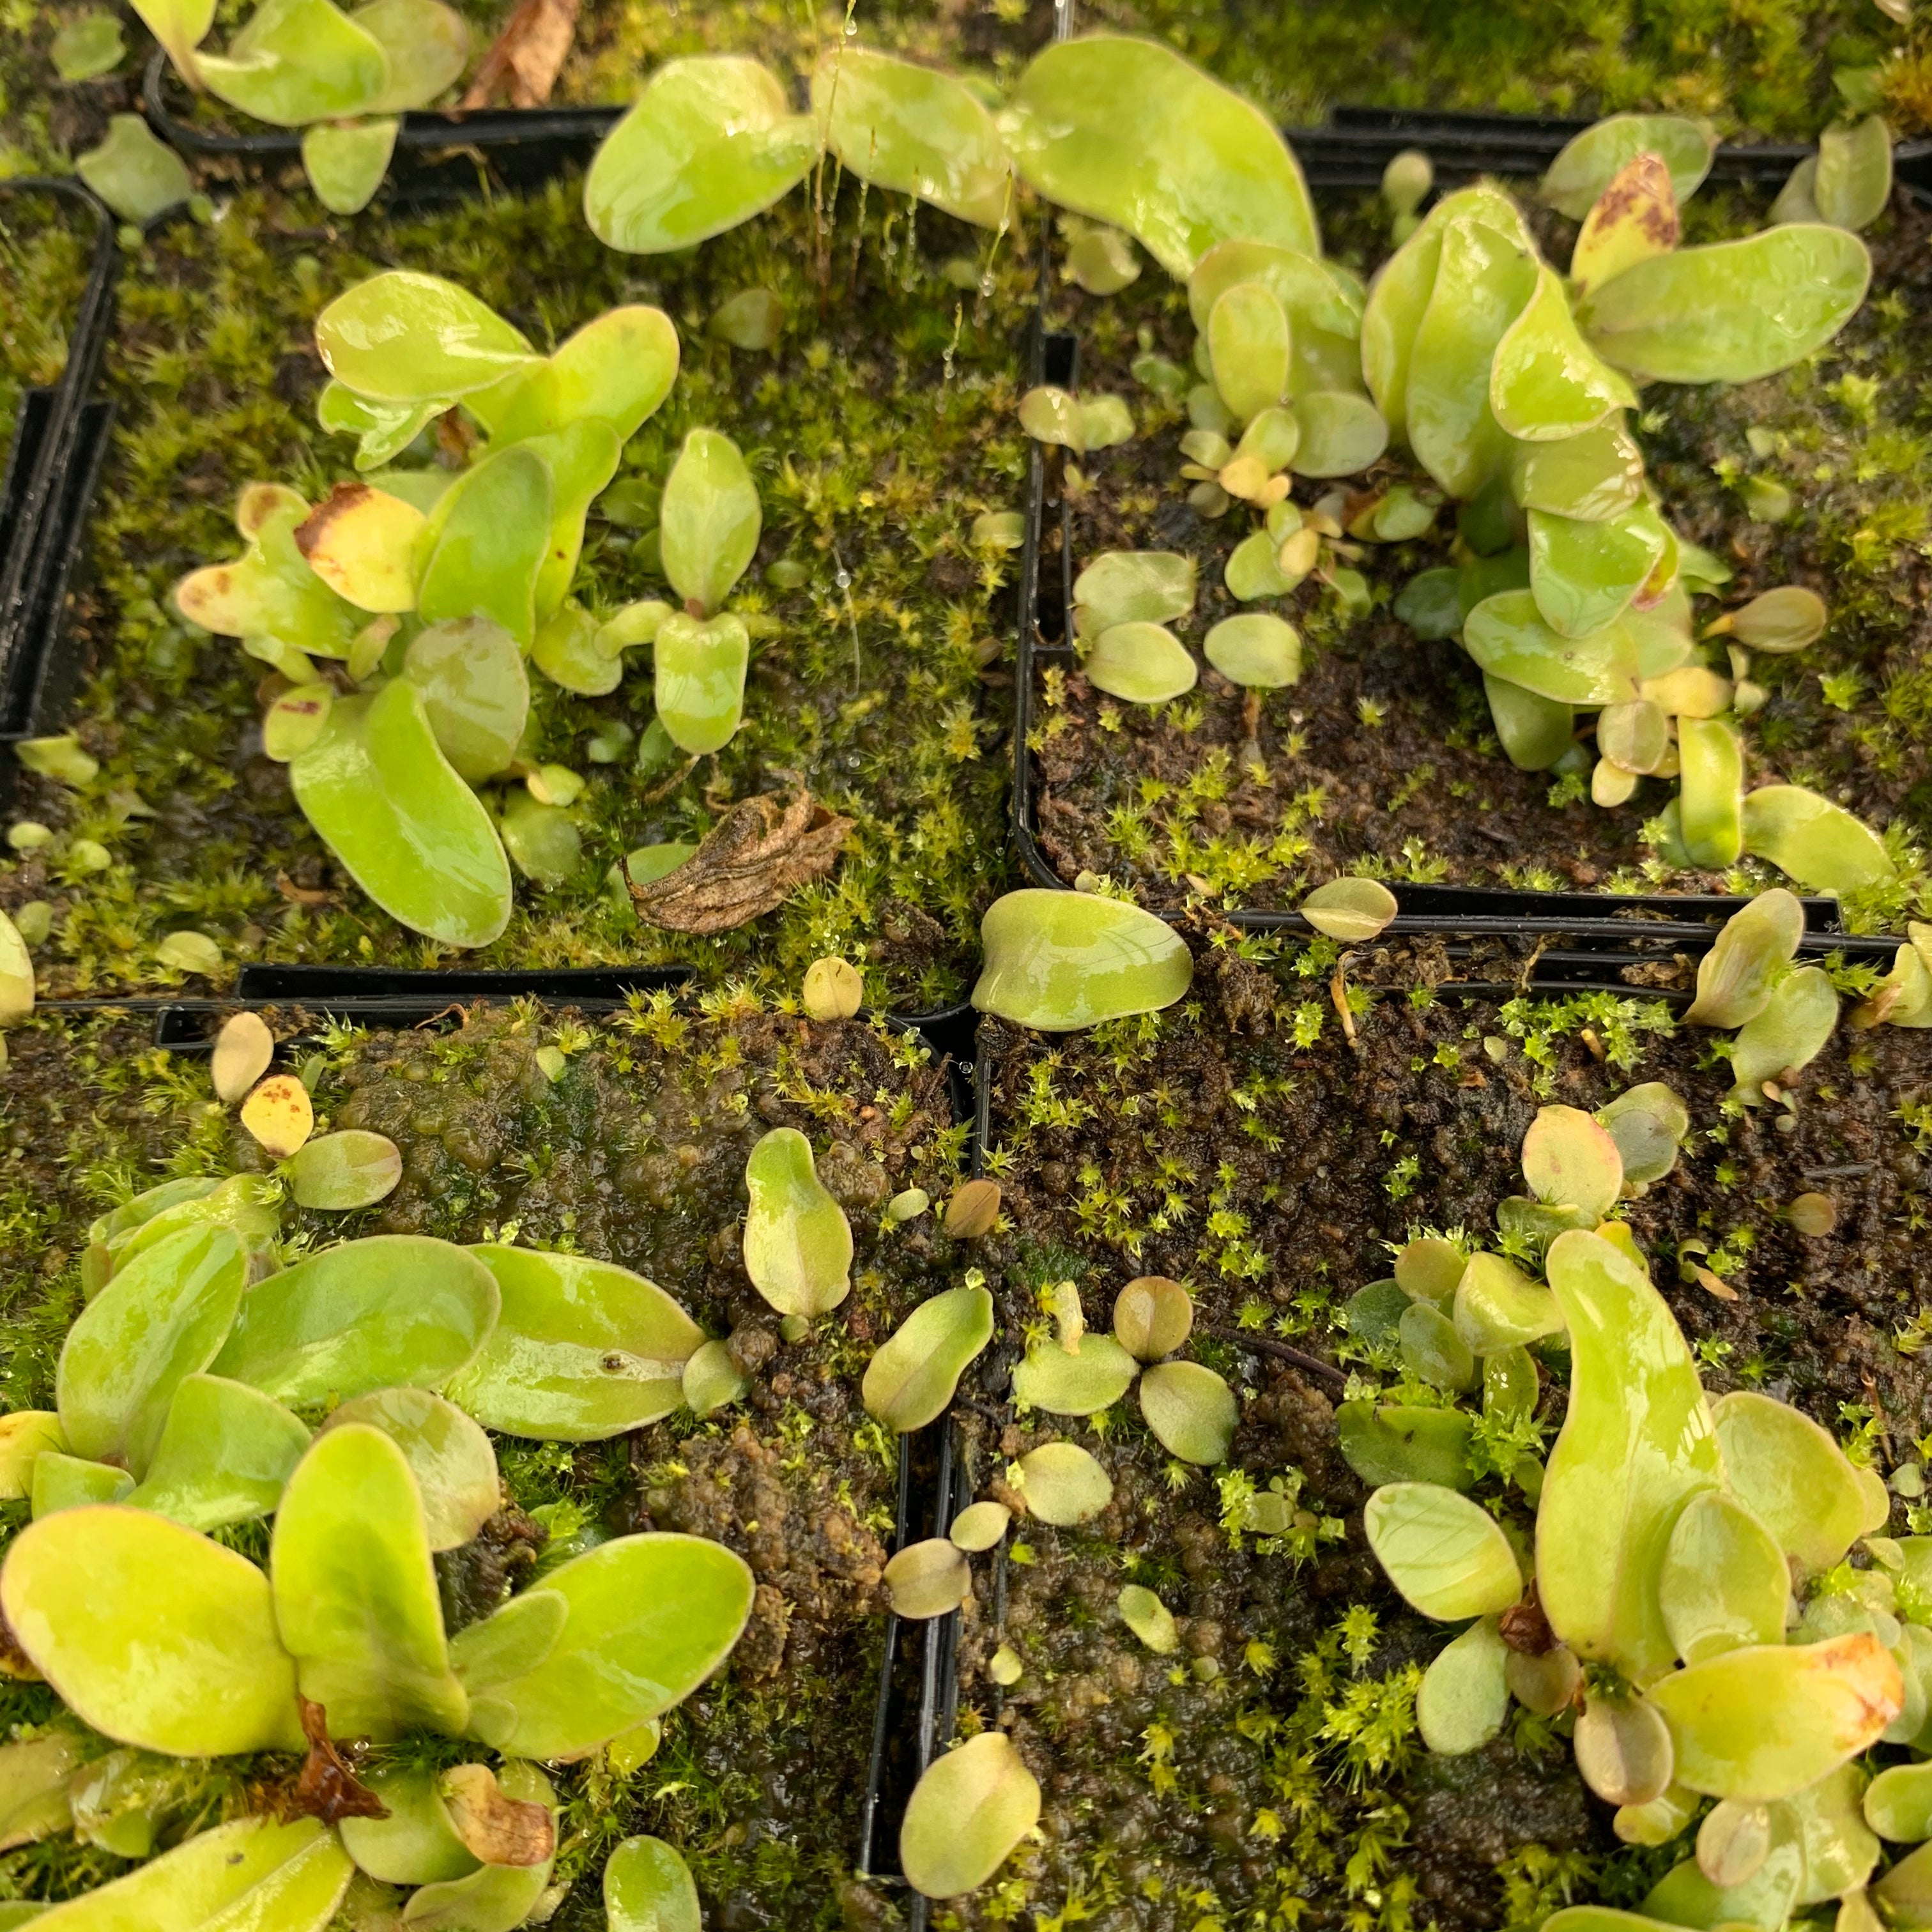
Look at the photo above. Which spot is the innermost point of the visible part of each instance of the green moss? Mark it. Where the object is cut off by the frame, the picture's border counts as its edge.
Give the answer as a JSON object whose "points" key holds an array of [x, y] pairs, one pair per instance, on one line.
{"points": [[44, 250], [882, 425]]}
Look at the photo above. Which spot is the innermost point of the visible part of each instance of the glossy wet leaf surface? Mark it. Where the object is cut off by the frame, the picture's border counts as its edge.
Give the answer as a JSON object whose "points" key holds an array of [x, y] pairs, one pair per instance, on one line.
{"points": [[1391, 1443], [377, 788], [912, 1378], [225, 1452], [1055, 961], [710, 519], [1724, 1581], [406, 337], [1353, 910], [416, 1843], [912, 130], [797, 1243], [1731, 311], [1749, 954], [488, 540], [1820, 845], [356, 1590], [393, 1310], [1584, 575], [647, 1619], [1590, 162], [1711, 790], [711, 141], [581, 1349], [970, 1808], [449, 1457], [1633, 218], [151, 1633], [1792, 1476], [162, 1318], [1546, 383], [1132, 587], [1636, 1445], [1509, 640], [1498, 1307], [1128, 132], [1445, 1555], [1789, 1033], [1764, 1721], [648, 1888], [1853, 181]]}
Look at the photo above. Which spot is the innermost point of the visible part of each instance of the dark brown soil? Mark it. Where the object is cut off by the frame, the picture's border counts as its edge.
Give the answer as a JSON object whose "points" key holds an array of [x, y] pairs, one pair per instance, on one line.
{"points": [[1273, 1179], [1383, 757]]}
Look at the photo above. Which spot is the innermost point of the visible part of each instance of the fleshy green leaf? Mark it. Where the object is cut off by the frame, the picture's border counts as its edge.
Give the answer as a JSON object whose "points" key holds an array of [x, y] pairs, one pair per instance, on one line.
{"points": [[376, 786], [1056, 961], [1724, 1581], [1387, 1443], [1446, 1556], [1792, 1476], [1143, 664], [1127, 131], [476, 692], [913, 130], [391, 1311], [797, 1243], [1341, 433], [224, 1454], [355, 1590], [495, 1897], [346, 162], [298, 61], [1789, 1033], [1853, 182], [1711, 790], [450, 1457], [710, 519], [405, 337], [1684, 1896], [1733, 311], [1257, 649], [1133, 587], [1534, 731], [1063, 1484], [699, 679], [1546, 382], [88, 46], [912, 1378], [428, 47], [1248, 348], [1634, 218], [1498, 1307], [1832, 1700], [1588, 163], [163, 1317], [416, 1843], [1820, 845], [1483, 280], [1509, 639], [1081, 1381], [251, 1872], [971, 1807], [927, 1579], [1636, 1445], [488, 538], [64, 1482], [648, 1619], [1353, 910], [1569, 1160], [581, 1349], [616, 370], [1592, 477], [1464, 1696], [711, 141], [1752, 946], [137, 175], [151, 1633], [648, 1888], [1648, 1123], [1583, 575]]}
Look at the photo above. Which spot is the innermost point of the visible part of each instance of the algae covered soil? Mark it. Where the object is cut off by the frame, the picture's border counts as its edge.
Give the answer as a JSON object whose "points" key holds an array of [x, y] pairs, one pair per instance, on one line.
{"points": [[882, 425], [1382, 759], [1269, 1772], [633, 1153]]}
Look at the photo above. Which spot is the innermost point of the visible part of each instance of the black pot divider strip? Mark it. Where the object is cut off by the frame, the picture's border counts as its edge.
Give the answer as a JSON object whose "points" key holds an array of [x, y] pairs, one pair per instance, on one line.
{"points": [[59, 439], [440, 156]]}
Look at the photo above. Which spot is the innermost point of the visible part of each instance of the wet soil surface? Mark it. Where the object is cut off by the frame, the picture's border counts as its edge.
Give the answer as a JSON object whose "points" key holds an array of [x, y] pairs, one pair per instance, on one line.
{"points": [[1240, 1144], [1382, 758], [635, 1154]]}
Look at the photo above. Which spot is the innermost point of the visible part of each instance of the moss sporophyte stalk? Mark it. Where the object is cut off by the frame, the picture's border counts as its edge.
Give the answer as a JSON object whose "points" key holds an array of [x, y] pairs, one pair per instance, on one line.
{"points": [[1418, 1460]]}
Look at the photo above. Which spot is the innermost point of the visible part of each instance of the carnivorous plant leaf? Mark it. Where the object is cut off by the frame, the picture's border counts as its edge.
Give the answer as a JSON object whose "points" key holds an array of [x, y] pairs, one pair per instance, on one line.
{"points": [[1592, 161], [488, 537], [341, 1171], [648, 1888], [1820, 845], [1498, 1307], [1127, 132], [137, 175], [1388, 1443], [1636, 1445], [1634, 218], [913, 1376], [1793, 1476], [1063, 1484], [1057, 960], [1353, 910], [153, 1635], [450, 1457], [1149, 1618], [981, 1526], [225, 1452], [710, 142], [1546, 383], [1509, 639], [346, 162], [1090, 1378], [1144, 664], [1724, 1581], [356, 1590], [931, 1579], [1152, 1317], [1788, 1033], [699, 679], [1749, 956], [1853, 182], [797, 1243], [376, 786], [1648, 1123], [390, 1311], [405, 337], [971, 1807], [710, 520], [416, 1843], [1132, 587], [1446, 1556], [1624, 1750], [581, 1349], [1465, 1697], [1569, 1160]]}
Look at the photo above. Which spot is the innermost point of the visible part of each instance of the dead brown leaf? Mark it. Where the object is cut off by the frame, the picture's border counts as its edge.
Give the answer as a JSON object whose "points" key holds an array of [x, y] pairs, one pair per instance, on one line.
{"points": [[527, 56], [494, 1827], [327, 1787], [756, 855]]}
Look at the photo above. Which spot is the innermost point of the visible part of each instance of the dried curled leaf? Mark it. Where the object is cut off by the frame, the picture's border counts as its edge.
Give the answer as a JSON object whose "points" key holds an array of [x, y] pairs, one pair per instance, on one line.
{"points": [[745, 864], [494, 1827], [326, 1787]]}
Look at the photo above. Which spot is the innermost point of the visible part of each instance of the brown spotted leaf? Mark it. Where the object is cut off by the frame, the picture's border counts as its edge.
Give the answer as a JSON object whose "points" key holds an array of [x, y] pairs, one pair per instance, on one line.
{"points": [[497, 1829], [1635, 218], [326, 1787], [526, 57], [749, 863]]}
